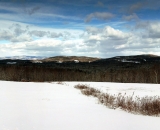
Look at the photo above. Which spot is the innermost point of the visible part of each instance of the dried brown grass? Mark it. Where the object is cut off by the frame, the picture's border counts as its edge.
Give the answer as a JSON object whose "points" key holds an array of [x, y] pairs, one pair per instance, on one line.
{"points": [[145, 105]]}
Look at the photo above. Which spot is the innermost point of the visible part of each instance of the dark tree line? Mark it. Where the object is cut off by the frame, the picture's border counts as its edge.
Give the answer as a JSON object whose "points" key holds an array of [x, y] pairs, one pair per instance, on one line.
{"points": [[85, 72]]}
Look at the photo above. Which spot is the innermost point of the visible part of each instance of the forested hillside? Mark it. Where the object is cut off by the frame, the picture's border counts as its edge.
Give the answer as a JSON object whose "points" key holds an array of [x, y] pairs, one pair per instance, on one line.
{"points": [[130, 69]]}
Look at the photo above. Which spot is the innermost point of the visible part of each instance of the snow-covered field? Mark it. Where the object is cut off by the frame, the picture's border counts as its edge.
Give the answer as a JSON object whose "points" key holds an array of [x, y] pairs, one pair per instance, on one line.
{"points": [[52, 106], [140, 90]]}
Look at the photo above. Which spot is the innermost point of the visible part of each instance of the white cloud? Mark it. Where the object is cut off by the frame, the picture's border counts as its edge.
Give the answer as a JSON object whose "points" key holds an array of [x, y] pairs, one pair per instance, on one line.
{"points": [[39, 47], [55, 35], [149, 29], [21, 38], [114, 33], [17, 32], [93, 30], [5, 35], [112, 42], [38, 33], [98, 42], [17, 29]]}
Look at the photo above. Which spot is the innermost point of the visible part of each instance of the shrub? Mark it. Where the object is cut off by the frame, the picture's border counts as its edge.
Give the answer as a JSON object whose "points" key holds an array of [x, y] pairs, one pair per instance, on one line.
{"points": [[81, 86], [145, 105]]}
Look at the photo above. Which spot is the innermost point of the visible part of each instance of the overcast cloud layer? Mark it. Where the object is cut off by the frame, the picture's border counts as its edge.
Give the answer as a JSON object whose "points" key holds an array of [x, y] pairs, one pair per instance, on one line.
{"points": [[104, 28]]}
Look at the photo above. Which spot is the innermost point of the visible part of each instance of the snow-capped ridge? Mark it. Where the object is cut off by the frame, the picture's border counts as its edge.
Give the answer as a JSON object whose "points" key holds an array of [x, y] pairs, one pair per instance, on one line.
{"points": [[23, 57]]}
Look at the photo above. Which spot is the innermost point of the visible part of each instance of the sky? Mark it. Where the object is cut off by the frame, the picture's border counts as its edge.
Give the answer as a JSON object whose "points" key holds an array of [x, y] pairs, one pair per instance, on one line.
{"points": [[95, 28]]}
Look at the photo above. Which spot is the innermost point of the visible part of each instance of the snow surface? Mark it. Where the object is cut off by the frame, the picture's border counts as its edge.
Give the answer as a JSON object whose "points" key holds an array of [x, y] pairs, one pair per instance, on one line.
{"points": [[140, 90], [52, 106]]}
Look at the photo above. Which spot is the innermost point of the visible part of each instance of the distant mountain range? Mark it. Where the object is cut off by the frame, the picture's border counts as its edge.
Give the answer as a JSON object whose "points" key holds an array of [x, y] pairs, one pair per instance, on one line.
{"points": [[23, 57], [133, 59], [61, 59], [70, 58], [137, 68]]}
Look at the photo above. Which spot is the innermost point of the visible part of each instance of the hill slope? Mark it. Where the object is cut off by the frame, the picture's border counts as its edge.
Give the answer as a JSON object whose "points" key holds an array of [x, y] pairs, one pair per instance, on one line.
{"points": [[70, 58]]}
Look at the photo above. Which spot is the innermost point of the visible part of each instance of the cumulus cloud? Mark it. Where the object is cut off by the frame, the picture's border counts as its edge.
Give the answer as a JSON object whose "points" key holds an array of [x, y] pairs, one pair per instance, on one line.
{"points": [[21, 38], [55, 35], [149, 29], [17, 33], [17, 29], [99, 15], [99, 42], [111, 42], [114, 33], [48, 47], [93, 30], [38, 33], [5, 35], [106, 40]]}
